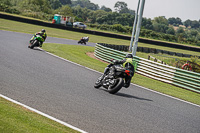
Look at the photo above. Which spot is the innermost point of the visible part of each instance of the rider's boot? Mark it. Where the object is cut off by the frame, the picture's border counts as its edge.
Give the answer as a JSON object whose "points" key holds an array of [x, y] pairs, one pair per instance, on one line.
{"points": [[127, 82]]}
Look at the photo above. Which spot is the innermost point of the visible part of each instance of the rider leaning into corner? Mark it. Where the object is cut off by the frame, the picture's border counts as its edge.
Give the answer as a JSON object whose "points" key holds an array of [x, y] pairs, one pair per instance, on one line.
{"points": [[127, 63], [41, 33]]}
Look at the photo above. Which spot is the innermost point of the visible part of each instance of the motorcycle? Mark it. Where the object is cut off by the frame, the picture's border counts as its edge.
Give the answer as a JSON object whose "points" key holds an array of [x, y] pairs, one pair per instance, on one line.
{"points": [[113, 80], [36, 42], [83, 41]]}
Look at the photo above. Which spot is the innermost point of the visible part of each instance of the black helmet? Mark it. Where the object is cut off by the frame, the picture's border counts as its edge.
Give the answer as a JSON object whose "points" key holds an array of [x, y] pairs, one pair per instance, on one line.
{"points": [[43, 30], [129, 56]]}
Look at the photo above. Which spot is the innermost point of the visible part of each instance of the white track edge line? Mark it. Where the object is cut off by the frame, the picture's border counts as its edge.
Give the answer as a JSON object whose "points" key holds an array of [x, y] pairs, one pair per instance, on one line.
{"points": [[131, 83], [43, 114]]}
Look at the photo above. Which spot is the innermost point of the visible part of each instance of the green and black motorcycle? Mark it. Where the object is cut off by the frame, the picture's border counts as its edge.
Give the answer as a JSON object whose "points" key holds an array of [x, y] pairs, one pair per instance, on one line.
{"points": [[36, 42]]}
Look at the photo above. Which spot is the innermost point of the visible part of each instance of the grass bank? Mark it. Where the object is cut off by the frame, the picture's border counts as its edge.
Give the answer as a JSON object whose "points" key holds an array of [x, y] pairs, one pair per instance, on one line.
{"points": [[16, 119]]}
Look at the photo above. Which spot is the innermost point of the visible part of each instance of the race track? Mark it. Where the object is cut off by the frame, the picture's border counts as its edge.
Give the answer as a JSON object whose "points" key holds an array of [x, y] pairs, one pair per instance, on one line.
{"points": [[65, 91]]}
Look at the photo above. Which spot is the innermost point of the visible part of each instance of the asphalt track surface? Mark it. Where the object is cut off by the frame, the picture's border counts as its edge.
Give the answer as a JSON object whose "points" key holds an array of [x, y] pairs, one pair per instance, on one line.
{"points": [[65, 91]]}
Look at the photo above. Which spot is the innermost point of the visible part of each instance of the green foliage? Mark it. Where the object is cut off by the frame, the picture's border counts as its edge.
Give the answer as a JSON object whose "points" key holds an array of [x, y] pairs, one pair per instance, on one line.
{"points": [[55, 4], [170, 30], [106, 9], [195, 64], [64, 10], [175, 21], [9, 9], [160, 20], [85, 4], [147, 23], [121, 7], [119, 28], [78, 19]]}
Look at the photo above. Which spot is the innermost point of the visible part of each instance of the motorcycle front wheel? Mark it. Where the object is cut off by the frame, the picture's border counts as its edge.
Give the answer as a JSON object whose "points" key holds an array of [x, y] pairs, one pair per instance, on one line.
{"points": [[97, 83], [119, 83]]}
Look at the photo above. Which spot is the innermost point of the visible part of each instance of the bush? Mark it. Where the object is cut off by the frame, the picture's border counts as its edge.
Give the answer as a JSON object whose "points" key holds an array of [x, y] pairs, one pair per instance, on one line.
{"points": [[6, 8], [77, 19], [104, 27], [119, 28]]}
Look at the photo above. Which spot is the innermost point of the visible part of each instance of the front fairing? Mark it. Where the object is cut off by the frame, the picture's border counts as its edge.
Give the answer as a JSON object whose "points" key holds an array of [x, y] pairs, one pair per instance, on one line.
{"points": [[39, 38]]}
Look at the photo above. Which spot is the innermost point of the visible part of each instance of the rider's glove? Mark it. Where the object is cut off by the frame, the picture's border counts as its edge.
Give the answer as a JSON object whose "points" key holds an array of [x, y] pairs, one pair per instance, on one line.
{"points": [[114, 61]]}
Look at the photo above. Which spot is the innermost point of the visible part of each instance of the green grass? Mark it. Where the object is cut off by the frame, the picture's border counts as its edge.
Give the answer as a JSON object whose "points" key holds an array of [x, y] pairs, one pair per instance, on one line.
{"points": [[16, 119], [78, 54]]}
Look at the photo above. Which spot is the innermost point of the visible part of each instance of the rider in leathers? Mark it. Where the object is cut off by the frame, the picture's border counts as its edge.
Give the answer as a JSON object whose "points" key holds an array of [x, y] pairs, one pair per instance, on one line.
{"points": [[42, 33], [127, 64]]}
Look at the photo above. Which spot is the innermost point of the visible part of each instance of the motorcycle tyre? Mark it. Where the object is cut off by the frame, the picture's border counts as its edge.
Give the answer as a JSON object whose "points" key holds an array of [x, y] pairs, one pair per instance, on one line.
{"points": [[97, 85], [34, 44], [117, 87]]}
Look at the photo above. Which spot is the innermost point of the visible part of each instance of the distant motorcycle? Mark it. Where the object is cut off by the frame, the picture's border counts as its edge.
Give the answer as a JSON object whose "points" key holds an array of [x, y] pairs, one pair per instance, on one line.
{"points": [[83, 40], [36, 42], [113, 81]]}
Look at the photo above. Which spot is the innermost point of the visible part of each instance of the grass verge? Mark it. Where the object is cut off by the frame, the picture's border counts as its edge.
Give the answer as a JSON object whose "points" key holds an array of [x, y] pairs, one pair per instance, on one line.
{"points": [[17, 119], [78, 54]]}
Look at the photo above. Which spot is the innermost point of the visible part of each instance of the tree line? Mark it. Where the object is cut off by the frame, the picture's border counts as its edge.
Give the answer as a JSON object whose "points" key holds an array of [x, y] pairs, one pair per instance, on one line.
{"points": [[120, 20]]}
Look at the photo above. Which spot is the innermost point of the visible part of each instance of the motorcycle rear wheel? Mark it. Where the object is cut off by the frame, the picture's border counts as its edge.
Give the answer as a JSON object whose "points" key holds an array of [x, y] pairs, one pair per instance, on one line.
{"points": [[118, 85], [34, 44]]}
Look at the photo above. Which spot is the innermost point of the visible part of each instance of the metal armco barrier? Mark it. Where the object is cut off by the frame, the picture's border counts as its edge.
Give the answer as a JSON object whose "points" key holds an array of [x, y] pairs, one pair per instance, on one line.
{"points": [[168, 74]]}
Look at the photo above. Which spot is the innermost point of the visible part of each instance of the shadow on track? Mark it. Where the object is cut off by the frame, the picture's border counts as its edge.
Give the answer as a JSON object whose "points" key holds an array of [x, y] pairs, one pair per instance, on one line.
{"points": [[126, 95], [130, 96]]}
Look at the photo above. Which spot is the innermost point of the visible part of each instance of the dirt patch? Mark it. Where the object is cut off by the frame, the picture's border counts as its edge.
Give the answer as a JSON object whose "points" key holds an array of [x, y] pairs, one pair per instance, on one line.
{"points": [[91, 54]]}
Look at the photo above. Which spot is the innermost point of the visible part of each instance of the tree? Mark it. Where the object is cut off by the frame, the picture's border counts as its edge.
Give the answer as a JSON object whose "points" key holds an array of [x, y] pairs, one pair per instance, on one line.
{"points": [[132, 12], [195, 24], [120, 7], [6, 2], [65, 2], [147, 23], [35, 6], [105, 9], [175, 21], [160, 24], [171, 30], [55, 4], [123, 19], [85, 4], [187, 23], [194, 32], [160, 20], [94, 15], [65, 10], [180, 30]]}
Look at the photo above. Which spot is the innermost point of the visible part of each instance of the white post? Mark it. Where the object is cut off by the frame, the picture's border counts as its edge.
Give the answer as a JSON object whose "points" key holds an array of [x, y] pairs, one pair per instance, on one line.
{"points": [[138, 28], [134, 26]]}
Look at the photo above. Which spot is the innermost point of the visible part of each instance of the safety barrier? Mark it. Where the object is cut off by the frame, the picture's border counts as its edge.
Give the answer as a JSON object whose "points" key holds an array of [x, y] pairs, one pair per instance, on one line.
{"points": [[168, 74], [146, 50]]}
